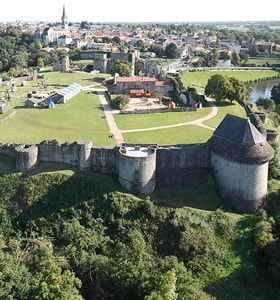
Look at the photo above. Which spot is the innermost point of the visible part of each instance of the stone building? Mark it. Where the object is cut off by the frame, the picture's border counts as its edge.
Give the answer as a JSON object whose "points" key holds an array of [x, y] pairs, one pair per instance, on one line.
{"points": [[50, 34], [143, 86], [62, 65]]}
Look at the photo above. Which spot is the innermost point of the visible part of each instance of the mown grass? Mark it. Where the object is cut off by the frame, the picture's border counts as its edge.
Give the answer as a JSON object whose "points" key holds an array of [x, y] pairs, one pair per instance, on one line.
{"points": [[200, 79], [81, 118], [186, 134], [135, 121], [224, 109]]}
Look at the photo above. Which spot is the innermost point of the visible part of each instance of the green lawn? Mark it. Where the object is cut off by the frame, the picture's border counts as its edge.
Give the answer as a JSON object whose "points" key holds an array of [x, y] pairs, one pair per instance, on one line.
{"points": [[135, 121], [200, 79], [177, 135], [187, 134], [81, 118], [224, 109]]}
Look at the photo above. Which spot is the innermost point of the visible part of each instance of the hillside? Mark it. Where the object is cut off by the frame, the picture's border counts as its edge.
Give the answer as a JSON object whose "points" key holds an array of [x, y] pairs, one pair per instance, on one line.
{"points": [[72, 235]]}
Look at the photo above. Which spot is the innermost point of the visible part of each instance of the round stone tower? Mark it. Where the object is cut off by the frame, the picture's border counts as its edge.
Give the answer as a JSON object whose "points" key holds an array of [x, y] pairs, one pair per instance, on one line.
{"points": [[137, 169], [26, 157], [239, 157]]}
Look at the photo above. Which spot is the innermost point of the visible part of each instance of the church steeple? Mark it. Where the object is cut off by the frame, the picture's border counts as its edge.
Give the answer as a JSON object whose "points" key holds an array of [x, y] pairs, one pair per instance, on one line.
{"points": [[64, 19]]}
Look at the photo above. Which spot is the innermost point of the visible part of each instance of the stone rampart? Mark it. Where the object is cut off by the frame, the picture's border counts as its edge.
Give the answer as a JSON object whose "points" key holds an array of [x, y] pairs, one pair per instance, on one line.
{"points": [[105, 160], [182, 165], [175, 164], [8, 149]]}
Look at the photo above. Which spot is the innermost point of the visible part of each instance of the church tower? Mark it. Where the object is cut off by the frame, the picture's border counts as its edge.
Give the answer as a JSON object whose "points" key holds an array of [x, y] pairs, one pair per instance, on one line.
{"points": [[64, 19]]}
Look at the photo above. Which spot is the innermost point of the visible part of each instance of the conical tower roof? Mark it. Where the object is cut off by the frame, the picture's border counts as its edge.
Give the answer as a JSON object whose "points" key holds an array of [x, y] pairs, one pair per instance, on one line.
{"points": [[238, 139], [64, 19]]}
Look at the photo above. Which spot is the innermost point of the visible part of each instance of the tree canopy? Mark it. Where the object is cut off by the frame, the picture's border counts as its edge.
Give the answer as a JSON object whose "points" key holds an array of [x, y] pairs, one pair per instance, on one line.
{"points": [[222, 87], [123, 68], [275, 94]]}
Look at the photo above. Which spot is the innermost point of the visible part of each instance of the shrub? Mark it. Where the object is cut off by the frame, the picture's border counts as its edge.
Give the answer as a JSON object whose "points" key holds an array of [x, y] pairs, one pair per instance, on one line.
{"points": [[121, 101]]}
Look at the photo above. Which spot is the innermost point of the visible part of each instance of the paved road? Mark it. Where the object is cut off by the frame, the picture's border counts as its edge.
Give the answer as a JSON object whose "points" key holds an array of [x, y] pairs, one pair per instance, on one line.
{"points": [[117, 133]]}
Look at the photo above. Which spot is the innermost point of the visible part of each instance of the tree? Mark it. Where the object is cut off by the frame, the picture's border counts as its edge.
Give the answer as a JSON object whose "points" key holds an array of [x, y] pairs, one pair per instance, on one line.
{"points": [[218, 87], [121, 101], [49, 279], [85, 25], [239, 90], [157, 49], [235, 58], [40, 62], [266, 103], [140, 45], [123, 68], [275, 94], [171, 51], [166, 288], [14, 277], [210, 59]]}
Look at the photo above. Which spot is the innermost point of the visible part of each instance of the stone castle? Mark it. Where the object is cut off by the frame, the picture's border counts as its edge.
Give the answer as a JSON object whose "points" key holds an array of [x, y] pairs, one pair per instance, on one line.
{"points": [[237, 154]]}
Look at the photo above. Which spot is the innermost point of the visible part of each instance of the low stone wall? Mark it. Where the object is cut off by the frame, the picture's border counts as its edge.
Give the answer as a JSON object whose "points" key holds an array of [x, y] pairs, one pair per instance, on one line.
{"points": [[157, 110]]}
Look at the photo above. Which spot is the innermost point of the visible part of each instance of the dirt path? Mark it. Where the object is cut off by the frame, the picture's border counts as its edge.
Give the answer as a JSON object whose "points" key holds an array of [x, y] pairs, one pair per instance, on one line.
{"points": [[117, 133]]}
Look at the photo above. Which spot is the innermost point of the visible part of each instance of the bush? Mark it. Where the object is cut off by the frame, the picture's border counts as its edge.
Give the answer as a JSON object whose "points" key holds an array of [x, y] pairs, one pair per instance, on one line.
{"points": [[121, 101]]}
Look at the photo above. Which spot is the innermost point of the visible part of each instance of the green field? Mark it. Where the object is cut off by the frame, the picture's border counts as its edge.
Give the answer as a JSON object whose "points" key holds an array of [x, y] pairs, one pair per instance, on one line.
{"points": [[82, 118], [136, 121], [200, 79]]}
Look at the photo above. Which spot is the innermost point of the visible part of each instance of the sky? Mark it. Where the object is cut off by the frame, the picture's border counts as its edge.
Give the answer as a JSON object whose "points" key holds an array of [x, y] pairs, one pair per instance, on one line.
{"points": [[140, 11]]}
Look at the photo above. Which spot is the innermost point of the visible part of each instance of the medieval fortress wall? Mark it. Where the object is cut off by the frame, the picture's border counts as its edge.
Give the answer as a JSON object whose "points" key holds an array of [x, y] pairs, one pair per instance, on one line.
{"points": [[241, 169]]}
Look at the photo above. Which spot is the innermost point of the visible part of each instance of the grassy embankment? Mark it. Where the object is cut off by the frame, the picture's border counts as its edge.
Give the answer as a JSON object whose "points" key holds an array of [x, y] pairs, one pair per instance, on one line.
{"points": [[224, 261]]}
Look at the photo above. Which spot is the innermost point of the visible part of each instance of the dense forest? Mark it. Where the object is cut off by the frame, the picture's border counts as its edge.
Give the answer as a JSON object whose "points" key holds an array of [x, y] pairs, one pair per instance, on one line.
{"points": [[79, 236]]}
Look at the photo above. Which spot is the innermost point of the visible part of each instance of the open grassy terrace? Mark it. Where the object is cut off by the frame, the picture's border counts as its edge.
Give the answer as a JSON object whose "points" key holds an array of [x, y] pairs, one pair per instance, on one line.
{"points": [[82, 118], [136, 121]]}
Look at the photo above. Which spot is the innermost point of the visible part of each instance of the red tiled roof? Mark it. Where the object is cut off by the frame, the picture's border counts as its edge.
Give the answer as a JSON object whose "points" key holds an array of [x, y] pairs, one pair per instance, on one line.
{"points": [[136, 79], [163, 83]]}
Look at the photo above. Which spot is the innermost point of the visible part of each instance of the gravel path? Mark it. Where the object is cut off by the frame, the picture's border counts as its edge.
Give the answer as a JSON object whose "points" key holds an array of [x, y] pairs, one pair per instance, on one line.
{"points": [[117, 133]]}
